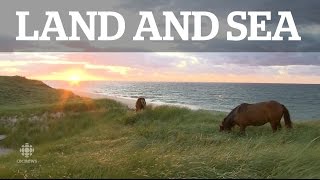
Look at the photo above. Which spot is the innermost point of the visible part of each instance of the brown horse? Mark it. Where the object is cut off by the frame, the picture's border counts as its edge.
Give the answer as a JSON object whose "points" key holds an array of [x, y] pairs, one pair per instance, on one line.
{"points": [[257, 115], [140, 104]]}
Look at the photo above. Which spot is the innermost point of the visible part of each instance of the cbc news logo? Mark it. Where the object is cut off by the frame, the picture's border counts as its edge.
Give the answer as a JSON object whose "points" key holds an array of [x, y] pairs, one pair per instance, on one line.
{"points": [[26, 150]]}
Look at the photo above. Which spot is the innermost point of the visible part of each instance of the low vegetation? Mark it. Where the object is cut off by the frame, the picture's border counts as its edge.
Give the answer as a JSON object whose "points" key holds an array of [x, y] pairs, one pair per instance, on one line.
{"points": [[104, 139], [19, 91]]}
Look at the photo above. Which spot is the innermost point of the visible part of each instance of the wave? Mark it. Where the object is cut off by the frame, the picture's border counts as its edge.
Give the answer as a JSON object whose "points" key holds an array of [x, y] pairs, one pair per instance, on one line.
{"points": [[152, 101]]}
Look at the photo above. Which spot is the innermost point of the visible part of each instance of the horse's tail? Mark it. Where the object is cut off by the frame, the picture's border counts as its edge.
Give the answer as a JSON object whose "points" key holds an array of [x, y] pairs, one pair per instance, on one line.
{"points": [[287, 119]]}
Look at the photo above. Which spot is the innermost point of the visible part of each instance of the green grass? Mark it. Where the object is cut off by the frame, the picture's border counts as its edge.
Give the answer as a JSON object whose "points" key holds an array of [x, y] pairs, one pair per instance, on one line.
{"points": [[104, 139], [19, 91], [164, 142]]}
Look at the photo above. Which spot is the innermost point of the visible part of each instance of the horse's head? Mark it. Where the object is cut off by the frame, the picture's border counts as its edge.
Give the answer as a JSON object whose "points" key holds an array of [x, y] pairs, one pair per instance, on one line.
{"points": [[225, 125], [221, 128], [228, 121]]}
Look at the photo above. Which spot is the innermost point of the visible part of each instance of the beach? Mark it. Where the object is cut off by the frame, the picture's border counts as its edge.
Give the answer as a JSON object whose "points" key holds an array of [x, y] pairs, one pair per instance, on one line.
{"points": [[130, 103], [302, 100]]}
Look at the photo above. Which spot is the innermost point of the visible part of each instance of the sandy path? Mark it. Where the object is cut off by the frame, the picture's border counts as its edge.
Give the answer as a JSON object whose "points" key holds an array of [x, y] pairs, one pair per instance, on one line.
{"points": [[4, 151], [2, 137]]}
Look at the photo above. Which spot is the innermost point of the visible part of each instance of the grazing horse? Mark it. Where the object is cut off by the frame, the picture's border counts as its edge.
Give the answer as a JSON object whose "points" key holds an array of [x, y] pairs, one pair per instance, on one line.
{"points": [[140, 104], [257, 115]]}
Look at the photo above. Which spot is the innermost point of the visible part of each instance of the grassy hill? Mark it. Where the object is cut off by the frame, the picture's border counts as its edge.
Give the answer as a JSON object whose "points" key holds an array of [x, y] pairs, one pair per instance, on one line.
{"points": [[17, 91], [110, 141]]}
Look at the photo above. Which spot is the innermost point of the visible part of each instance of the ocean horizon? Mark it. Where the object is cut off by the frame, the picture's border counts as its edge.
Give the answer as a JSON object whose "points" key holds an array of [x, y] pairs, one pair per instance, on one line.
{"points": [[302, 100]]}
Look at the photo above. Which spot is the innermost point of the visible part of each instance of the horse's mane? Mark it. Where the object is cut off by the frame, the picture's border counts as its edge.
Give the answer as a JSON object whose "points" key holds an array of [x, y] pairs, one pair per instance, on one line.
{"points": [[243, 107], [230, 117]]}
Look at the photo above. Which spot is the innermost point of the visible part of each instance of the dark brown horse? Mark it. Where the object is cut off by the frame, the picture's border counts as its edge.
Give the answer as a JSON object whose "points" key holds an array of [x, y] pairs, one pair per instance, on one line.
{"points": [[257, 115], [140, 104]]}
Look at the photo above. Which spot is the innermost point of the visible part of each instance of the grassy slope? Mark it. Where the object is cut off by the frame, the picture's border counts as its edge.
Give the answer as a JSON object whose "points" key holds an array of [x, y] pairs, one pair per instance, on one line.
{"points": [[18, 91], [165, 142]]}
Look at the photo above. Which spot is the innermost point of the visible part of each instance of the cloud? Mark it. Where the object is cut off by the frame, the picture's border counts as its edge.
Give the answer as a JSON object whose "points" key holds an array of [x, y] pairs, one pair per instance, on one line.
{"points": [[305, 15], [34, 61], [117, 69], [262, 59], [160, 66]]}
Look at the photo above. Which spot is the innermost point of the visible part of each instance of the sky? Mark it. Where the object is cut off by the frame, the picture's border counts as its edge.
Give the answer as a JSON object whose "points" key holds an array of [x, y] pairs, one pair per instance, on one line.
{"points": [[305, 17], [165, 67], [180, 65]]}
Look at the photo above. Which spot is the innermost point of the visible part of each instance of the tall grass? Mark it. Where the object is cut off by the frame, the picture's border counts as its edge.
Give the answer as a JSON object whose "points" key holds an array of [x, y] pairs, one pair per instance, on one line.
{"points": [[110, 141]]}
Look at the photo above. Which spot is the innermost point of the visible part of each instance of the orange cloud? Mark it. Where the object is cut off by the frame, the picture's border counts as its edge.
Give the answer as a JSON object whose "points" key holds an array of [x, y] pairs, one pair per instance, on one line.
{"points": [[69, 75], [167, 67]]}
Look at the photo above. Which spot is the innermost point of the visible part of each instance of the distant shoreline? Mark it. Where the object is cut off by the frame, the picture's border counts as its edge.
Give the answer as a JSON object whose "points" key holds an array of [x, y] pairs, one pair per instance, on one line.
{"points": [[130, 102], [195, 82], [301, 100]]}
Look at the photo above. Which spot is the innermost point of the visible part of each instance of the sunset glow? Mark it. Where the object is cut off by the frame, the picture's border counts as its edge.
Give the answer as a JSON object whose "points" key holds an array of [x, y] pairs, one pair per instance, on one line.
{"points": [[165, 67], [74, 79]]}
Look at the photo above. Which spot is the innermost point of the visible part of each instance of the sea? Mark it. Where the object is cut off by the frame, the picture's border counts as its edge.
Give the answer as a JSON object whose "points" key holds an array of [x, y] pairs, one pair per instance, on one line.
{"points": [[302, 100]]}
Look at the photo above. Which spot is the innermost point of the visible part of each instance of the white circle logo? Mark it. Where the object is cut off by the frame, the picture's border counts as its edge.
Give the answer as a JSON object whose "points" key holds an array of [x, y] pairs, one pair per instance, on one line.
{"points": [[26, 150]]}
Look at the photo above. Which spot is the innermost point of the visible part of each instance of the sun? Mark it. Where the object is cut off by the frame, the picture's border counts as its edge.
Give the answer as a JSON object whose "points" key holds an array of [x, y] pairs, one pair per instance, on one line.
{"points": [[74, 79]]}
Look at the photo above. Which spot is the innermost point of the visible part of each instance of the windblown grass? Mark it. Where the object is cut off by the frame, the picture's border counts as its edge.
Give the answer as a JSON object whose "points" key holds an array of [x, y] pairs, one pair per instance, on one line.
{"points": [[163, 142], [104, 139], [17, 91]]}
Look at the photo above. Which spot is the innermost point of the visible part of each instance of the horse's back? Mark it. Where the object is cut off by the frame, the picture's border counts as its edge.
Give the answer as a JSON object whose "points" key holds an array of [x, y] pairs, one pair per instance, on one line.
{"points": [[274, 107], [267, 105], [260, 113]]}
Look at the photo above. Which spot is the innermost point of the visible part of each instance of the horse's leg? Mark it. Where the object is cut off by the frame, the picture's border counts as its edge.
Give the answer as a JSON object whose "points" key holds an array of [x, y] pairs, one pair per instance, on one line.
{"points": [[274, 126], [242, 129], [279, 125]]}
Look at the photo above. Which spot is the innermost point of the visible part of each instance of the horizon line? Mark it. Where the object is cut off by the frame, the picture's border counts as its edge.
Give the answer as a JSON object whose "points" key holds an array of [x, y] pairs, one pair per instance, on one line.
{"points": [[216, 82]]}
